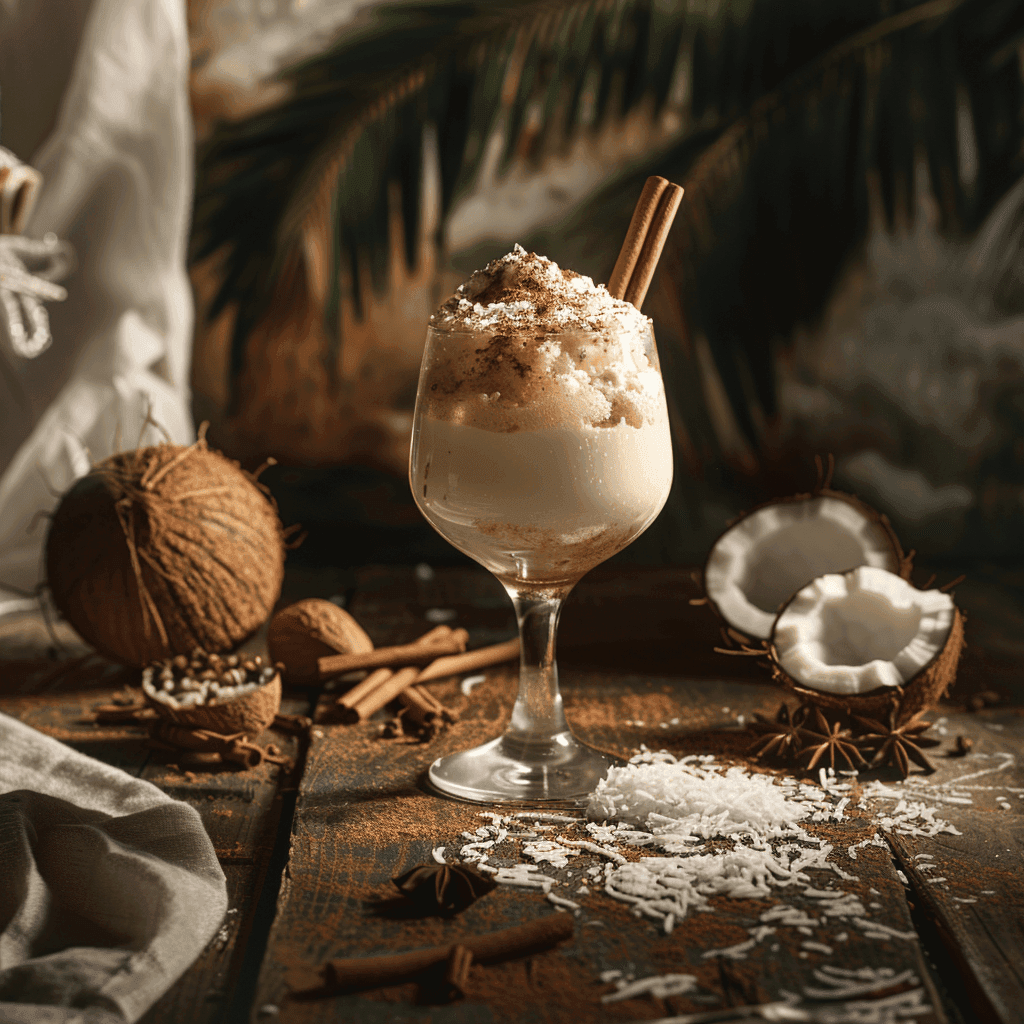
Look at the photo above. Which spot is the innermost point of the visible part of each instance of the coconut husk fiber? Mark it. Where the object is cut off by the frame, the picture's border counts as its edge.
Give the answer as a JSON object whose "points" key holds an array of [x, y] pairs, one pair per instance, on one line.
{"points": [[158, 551]]}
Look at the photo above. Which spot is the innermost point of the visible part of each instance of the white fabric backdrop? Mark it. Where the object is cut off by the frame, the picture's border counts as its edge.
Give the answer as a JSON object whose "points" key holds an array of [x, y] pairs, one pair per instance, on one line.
{"points": [[118, 170]]}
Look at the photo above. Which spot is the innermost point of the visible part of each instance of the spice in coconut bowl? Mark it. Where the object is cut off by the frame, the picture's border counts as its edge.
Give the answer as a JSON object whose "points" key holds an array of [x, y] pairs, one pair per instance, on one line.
{"points": [[227, 695]]}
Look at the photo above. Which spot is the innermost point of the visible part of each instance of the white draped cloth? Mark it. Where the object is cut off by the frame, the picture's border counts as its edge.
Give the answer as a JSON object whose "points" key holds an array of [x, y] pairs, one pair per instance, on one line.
{"points": [[109, 888], [99, 90]]}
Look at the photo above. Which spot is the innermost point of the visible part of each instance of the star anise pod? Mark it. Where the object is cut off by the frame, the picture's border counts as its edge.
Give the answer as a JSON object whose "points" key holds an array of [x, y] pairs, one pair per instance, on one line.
{"points": [[443, 888], [778, 738], [897, 743], [832, 739]]}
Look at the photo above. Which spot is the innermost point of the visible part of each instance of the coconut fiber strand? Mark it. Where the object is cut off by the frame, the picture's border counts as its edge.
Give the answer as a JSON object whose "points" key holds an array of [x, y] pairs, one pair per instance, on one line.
{"points": [[161, 550]]}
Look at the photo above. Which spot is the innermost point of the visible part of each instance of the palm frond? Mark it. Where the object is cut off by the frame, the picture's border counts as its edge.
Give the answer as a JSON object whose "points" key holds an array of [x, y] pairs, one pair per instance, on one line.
{"points": [[778, 204], [540, 71]]}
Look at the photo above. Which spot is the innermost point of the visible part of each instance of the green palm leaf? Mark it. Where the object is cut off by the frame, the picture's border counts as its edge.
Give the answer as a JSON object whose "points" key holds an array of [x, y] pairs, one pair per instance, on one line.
{"points": [[355, 117], [794, 109], [777, 205]]}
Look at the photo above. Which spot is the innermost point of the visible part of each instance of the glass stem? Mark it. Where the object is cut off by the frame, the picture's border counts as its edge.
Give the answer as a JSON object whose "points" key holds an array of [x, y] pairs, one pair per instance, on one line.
{"points": [[538, 720]]}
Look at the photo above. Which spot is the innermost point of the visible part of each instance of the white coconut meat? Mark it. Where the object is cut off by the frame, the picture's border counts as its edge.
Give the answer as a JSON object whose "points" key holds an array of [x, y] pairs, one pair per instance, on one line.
{"points": [[854, 632], [764, 559]]}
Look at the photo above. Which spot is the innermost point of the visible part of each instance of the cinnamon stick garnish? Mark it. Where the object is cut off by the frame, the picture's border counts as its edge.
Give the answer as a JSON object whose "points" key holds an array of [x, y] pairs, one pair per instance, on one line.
{"points": [[648, 230], [629, 254], [416, 653], [654, 242], [492, 948]]}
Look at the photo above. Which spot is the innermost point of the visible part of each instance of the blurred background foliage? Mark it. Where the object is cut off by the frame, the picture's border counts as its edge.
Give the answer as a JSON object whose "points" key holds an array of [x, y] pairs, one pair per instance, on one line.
{"points": [[844, 274]]}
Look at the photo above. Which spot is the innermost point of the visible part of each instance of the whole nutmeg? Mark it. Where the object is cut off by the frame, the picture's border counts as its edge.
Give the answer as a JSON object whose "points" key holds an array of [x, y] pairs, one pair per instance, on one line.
{"points": [[312, 629]]}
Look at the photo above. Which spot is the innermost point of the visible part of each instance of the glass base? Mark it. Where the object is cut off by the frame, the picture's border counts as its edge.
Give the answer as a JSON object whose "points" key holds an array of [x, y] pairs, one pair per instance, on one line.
{"points": [[507, 771]]}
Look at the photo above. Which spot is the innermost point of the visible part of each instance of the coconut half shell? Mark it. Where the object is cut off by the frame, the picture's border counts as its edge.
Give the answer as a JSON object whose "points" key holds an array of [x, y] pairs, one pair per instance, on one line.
{"points": [[769, 553], [249, 713], [913, 688]]}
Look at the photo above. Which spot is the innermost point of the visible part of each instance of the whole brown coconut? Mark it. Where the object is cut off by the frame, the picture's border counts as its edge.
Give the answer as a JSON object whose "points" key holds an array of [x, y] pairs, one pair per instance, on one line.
{"points": [[161, 550]]}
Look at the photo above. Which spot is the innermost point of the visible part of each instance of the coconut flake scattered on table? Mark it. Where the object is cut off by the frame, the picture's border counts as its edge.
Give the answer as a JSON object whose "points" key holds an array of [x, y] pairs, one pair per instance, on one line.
{"points": [[684, 799], [686, 810]]}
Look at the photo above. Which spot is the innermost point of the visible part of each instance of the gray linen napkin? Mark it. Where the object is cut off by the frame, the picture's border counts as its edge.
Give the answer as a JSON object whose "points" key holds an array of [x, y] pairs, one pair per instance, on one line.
{"points": [[109, 889]]}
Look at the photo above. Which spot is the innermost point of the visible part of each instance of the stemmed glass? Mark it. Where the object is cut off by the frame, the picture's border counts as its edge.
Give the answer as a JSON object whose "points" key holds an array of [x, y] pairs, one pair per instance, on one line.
{"points": [[539, 495]]}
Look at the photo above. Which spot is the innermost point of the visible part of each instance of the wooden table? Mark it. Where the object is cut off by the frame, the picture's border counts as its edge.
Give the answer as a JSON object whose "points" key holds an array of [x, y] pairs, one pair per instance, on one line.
{"points": [[308, 851]]}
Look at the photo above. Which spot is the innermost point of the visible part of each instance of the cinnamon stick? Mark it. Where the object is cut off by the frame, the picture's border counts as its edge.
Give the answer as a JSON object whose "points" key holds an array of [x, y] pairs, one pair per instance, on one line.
{"points": [[437, 633], [482, 657], [360, 690], [456, 973], [383, 694], [420, 705], [353, 696], [386, 687], [491, 948], [424, 707], [416, 653], [629, 254], [654, 242]]}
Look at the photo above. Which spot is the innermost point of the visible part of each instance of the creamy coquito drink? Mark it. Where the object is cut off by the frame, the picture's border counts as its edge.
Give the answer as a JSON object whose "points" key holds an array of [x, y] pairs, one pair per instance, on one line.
{"points": [[541, 444], [540, 447]]}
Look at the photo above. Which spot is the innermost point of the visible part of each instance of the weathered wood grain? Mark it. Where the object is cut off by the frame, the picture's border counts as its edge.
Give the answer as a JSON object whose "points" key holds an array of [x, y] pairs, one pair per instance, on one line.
{"points": [[241, 810], [364, 814], [637, 667], [972, 885], [242, 813]]}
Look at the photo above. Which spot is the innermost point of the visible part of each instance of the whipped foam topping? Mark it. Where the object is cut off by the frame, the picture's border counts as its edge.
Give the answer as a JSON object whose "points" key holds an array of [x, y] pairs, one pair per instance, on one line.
{"points": [[524, 291], [547, 348]]}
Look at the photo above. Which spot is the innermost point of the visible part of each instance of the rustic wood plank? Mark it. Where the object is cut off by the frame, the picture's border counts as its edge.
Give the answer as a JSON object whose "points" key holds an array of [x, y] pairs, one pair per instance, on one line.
{"points": [[242, 813], [627, 638], [202, 993], [241, 810], [364, 814], [972, 884]]}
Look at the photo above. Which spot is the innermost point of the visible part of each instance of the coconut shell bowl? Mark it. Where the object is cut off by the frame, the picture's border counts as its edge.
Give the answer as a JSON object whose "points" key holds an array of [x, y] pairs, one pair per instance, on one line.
{"points": [[226, 694]]}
